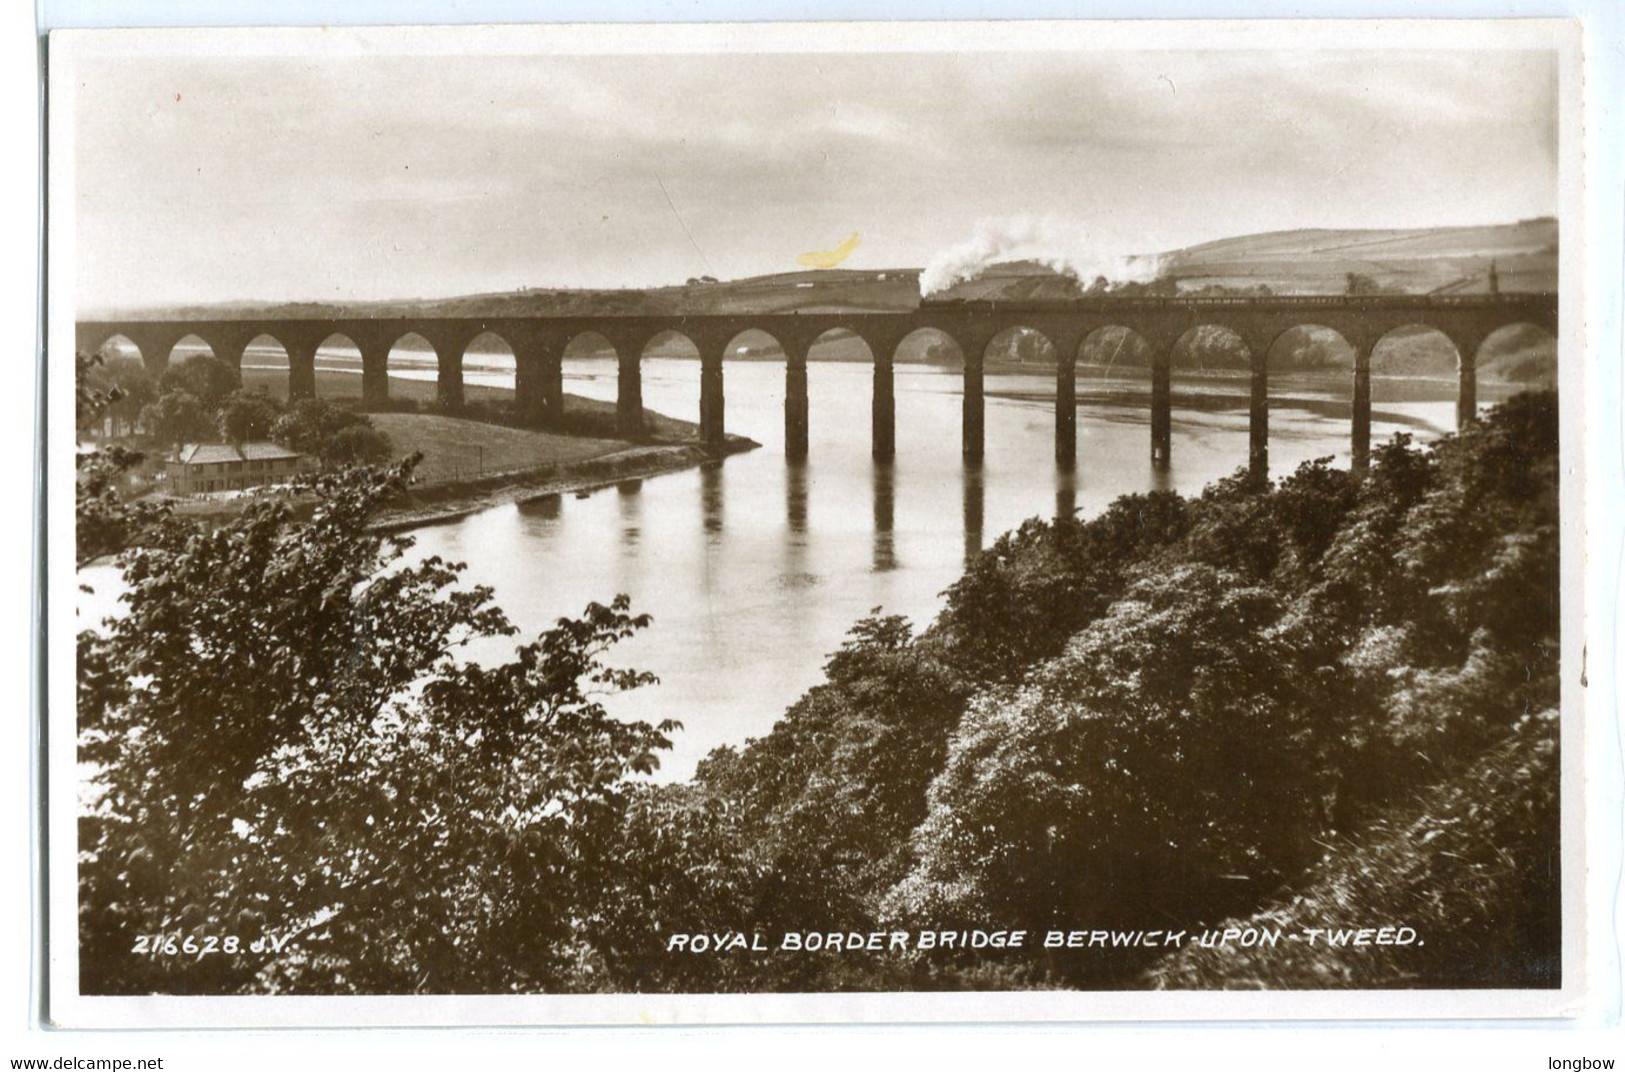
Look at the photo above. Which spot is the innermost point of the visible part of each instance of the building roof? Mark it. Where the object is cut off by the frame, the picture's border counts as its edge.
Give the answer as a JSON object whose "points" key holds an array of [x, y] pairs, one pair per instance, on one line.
{"points": [[207, 453]]}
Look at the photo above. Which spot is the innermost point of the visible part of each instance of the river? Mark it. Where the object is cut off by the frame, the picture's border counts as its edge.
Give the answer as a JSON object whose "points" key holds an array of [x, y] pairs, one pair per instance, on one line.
{"points": [[755, 569]]}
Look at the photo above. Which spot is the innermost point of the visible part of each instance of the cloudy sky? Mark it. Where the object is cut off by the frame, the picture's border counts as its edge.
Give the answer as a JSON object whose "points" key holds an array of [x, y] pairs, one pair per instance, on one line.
{"points": [[386, 177]]}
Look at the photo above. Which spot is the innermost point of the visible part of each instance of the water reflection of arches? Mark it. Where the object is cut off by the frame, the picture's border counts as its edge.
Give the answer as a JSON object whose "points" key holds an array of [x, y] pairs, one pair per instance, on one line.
{"points": [[629, 499], [884, 482], [712, 497], [974, 500], [266, 367]]}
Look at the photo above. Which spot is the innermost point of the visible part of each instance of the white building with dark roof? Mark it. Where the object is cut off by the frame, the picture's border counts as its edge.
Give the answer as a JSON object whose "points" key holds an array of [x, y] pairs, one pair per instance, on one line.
{"points": [[199, 468]]}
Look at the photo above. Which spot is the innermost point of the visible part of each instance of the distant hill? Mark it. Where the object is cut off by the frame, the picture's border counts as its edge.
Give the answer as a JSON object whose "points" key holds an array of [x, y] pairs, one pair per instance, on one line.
{"points": [[1417, 261], [1421, 261]]}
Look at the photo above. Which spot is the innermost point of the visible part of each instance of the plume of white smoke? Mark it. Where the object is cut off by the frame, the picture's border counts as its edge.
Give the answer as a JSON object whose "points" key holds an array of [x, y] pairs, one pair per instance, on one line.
{"points": [[1061, 245]]}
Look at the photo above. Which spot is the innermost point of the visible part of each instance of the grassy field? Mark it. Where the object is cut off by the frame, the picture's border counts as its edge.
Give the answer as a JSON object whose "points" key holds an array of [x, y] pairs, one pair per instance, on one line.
{"points": [[470, 448], [584, 416], [455, 449]]}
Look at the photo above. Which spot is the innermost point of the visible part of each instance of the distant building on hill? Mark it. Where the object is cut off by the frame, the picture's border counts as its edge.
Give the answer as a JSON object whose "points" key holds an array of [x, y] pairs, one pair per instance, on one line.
{"points": [[204, 467]]}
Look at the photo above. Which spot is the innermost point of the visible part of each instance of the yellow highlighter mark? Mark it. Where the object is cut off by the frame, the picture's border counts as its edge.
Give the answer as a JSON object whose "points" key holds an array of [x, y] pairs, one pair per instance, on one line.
{"points": [[829, 258]]}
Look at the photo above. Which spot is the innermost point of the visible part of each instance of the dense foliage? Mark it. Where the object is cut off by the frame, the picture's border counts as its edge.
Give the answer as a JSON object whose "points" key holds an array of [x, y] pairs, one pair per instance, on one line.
{"points": [[201, 400], [1176, 713], [286, 745], [1159, 717]]}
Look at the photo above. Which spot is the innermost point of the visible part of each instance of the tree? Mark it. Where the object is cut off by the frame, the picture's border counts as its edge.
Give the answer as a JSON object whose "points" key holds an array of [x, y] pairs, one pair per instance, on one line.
{"points": [[286, 743], [137, 391], [1159, 769], [243, 417], [1359, 283], [309, 423], [177, 417], [357, 444], [103, 522], [204, 376]]}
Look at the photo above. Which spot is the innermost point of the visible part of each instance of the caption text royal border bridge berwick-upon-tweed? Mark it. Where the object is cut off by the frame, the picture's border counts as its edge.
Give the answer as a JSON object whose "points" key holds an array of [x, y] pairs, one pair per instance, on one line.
{"points": [[539, 342]]}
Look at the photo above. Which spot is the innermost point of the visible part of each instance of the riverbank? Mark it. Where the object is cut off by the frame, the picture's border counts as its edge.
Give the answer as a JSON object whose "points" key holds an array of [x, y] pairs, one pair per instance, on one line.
{"points": [[430, 504], [469, 464]]}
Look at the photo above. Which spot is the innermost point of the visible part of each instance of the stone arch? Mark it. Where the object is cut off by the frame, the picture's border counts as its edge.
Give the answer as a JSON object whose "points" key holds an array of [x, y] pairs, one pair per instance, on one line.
{"points": [[1114, 352], [119, 347], [338, 355], [671, 343], [1412, 351], [123, 365], [1521, 355], [1021, 345], [754, 347], [591, 367], [193, 344], [926, 345], [1312, 370], [840, 343], [929, 346], [676, 380], [583, 358], [1210, 349], [1416, 381], [413, 365], [1213, 370], [266, 366], [833, 344], [491, 363]]}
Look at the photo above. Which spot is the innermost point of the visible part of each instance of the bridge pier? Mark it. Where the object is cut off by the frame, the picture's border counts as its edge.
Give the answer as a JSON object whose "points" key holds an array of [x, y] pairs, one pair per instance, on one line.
{"points": [[375, 376], [795, 401], [154, 357], [971, 418], [628, 394], [301, 372], [712, 404], [1066, 411], [449, 387], [1467, 390], [1258, 417], [883, 409], [552, 386], [231, 352], [1360, 431], [1162, 437], [527, 384]]}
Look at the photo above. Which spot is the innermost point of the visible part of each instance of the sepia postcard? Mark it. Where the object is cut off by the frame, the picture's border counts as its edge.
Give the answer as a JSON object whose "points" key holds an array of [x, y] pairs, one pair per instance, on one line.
{"points": [[807, 523]]}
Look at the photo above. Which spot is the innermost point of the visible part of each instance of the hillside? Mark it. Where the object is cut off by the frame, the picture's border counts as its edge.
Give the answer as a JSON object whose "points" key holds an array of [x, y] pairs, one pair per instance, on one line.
{"points": [[1418, 261]]}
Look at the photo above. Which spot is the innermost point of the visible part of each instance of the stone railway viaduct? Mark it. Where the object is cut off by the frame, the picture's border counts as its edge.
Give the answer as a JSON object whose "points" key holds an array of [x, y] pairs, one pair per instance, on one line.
{"points": [[539, 342]]}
